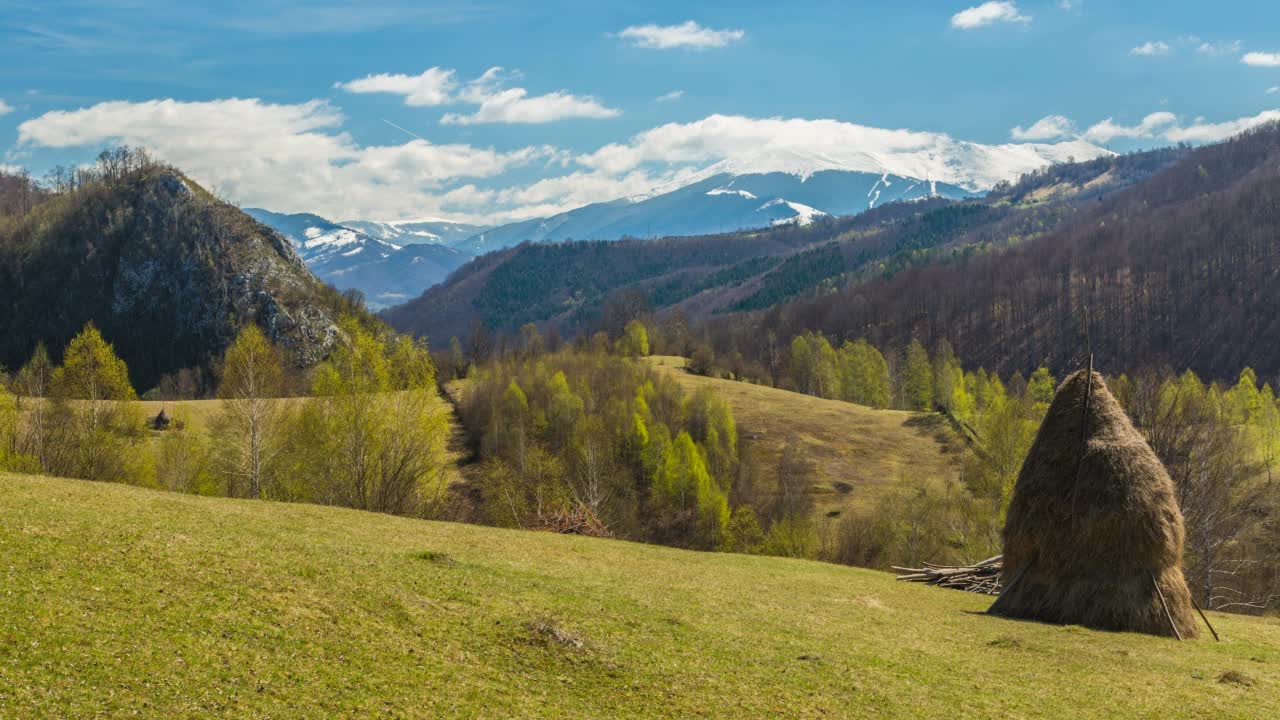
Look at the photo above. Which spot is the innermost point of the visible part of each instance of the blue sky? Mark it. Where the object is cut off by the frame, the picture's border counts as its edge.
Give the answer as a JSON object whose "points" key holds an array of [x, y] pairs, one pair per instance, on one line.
{"points": [[334, 108]]}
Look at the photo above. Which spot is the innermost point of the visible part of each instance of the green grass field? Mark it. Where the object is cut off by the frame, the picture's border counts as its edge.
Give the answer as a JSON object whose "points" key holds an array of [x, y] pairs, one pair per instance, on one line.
{"points": [[857, 453], [119, 602]]}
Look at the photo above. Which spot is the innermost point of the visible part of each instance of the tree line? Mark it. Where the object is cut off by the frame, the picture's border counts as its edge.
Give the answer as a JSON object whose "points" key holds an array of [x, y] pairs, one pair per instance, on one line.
{"points": [[1220, 442], [369, 433]]}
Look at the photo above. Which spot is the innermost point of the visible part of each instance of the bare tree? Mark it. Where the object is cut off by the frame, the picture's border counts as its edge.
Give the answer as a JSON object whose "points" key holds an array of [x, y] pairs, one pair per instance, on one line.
{"points": [[252, 378]]}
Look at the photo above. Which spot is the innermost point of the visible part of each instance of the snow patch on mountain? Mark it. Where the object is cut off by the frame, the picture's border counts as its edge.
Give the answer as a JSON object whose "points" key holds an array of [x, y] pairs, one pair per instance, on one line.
{"points": [[804, 214], [730, 191]]}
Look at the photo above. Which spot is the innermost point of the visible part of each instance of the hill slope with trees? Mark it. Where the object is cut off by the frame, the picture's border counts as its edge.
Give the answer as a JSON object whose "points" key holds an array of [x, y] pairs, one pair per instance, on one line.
{"points": [[1177, 270], [166, 271]]}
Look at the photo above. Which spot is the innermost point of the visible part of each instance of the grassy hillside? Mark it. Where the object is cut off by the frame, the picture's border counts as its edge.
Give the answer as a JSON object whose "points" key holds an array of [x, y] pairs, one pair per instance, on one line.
{"points": [[120, 601], [857, 453]]}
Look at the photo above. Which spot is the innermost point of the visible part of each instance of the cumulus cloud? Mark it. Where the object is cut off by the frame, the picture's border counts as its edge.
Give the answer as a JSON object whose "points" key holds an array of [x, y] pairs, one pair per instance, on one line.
{"points": [[433, 87], [5, 108], [668, 97], [496, 104], [290, 158], [989, 13], [514, 105], [1152, 48], [298, 157], [1109, 129], [688, 34], [1261, 59], [1202, 131], [1049, 127], [1166, 126]]}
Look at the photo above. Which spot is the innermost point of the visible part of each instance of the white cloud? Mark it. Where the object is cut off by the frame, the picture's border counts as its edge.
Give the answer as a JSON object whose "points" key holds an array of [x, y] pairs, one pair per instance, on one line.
{"points": [[290, 158], [1151, 125], [1165, 126], [438, 86], [1273, 90], [433, 87], [1068, 4], [727, 143], [295, 158], [1151, 48], [668, 97], [685, 35], [5, 108], [1049, 127], [515, 105], [1206, 132], [1262, 59], [988, 13]]}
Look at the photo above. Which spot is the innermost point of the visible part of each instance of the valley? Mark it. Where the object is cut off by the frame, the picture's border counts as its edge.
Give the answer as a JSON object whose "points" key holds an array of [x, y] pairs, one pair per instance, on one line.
{"points": [[564, 360]]}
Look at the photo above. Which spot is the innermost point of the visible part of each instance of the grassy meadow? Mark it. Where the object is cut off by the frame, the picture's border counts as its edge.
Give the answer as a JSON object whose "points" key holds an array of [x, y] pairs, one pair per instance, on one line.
{"points": [[857, 453], [120, 601]]}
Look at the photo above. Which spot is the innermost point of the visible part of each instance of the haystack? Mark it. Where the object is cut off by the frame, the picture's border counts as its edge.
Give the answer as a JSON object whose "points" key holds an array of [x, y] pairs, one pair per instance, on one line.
{"points": [[1094, 535]]}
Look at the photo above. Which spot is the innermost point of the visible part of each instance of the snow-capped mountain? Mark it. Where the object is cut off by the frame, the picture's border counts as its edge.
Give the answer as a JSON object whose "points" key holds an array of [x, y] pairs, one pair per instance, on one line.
{"points": [[722, 202], [387, 273], [781, 185], [416, 232]]}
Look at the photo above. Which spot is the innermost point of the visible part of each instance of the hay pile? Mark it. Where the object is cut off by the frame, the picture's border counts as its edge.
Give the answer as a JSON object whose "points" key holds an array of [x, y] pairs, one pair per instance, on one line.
{"points": [[1093, 534]]}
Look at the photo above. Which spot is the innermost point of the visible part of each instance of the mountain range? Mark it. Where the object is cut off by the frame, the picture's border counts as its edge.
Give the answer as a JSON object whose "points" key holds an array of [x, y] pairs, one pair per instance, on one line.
{"points": [[393, 261], [386, 273], [1162, 257], [570, 285]]}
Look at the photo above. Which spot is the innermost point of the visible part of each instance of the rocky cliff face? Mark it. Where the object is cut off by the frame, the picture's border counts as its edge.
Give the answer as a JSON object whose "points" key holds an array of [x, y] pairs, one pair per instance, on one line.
{"points": [[168, 272]]}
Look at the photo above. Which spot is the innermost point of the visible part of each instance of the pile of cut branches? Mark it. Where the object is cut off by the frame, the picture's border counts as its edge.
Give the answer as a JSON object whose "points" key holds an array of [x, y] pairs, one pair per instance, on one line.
{"points": [[983, 577]]}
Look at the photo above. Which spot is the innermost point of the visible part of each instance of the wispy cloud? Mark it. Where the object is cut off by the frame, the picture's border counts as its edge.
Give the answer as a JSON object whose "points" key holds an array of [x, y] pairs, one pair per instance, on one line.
{"points": [[1262, 59], [989, 13], [1204, 47], [685, 35], [495, 103], [5, 108], [1049, 127], [1152, 48], [668, 97], [1273, 90]]}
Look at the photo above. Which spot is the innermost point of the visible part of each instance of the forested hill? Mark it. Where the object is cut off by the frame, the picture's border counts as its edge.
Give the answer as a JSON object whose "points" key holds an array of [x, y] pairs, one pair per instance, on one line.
{"points": [[567, 283], [165, 270], [1179, 269]]}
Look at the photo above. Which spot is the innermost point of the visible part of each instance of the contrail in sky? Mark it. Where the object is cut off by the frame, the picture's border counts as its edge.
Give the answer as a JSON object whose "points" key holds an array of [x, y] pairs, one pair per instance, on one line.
{"points": [[406, 132]]}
